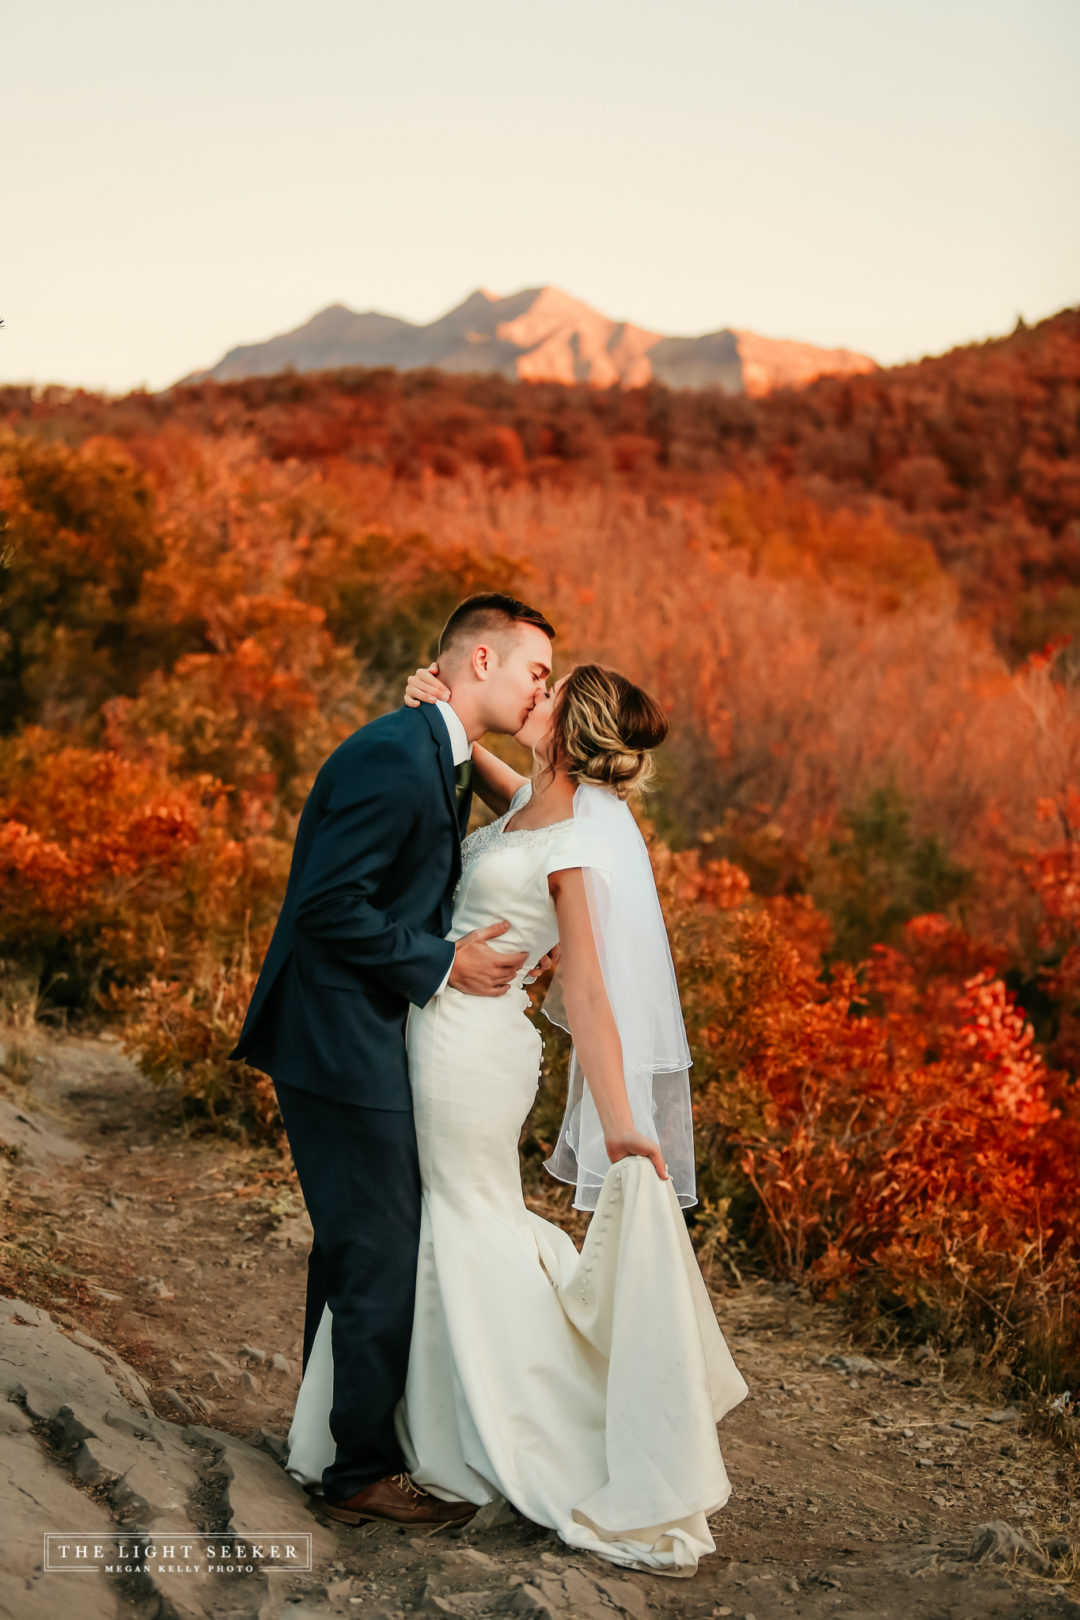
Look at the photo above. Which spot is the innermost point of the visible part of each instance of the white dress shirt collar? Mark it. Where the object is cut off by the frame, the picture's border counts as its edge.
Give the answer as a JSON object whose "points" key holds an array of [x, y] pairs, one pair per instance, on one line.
{"points": [[459, 741]]}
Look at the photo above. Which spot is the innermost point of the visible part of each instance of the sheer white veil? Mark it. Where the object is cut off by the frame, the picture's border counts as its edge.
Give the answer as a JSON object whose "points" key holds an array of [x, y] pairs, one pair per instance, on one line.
{"points": [[639, 976]]}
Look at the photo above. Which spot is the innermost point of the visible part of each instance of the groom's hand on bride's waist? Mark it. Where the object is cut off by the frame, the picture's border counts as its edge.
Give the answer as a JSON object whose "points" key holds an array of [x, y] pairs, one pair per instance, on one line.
{"points": [[480, 971]]}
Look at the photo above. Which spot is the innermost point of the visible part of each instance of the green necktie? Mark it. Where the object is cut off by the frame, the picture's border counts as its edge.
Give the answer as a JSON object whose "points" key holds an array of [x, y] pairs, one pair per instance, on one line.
{"points": [[462, 778]]}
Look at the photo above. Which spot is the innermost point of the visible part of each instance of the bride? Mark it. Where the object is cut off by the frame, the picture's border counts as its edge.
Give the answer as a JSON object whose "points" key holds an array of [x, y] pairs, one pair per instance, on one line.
{"points": [[585, 1388]]}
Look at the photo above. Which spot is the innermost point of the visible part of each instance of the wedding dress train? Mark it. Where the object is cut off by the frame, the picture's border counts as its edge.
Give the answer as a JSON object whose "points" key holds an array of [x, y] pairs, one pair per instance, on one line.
{"points": [[584, 1388]]}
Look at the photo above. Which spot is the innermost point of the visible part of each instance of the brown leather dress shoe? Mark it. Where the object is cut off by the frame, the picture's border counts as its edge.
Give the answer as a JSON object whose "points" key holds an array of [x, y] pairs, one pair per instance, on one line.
{"points": [[397, 1498]]}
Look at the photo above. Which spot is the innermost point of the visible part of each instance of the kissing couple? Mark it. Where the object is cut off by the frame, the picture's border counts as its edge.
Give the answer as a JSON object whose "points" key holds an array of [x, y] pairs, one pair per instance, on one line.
{"points": [[458, 1349]]}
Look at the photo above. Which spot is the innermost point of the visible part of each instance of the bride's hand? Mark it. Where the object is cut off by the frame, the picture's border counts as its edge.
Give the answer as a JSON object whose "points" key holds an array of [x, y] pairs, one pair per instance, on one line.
{"points": [[424, 687], [545, 965], [633, 1144]]}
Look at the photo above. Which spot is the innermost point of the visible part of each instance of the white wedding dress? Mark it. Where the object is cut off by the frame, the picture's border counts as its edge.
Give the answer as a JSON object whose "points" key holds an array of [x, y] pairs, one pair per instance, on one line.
{"points": [[583, 1388]]}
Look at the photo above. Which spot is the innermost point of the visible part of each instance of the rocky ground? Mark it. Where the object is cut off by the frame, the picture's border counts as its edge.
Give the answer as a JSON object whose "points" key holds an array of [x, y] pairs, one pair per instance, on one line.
{"points": [[149, 1356]]}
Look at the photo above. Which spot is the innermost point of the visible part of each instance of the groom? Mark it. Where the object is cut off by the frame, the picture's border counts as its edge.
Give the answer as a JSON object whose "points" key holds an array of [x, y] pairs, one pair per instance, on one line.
{"points": [[361, 934]]}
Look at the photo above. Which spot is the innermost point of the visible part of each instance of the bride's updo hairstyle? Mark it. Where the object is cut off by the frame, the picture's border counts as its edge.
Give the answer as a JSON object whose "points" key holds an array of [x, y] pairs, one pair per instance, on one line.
{"points": [[603, 727]]}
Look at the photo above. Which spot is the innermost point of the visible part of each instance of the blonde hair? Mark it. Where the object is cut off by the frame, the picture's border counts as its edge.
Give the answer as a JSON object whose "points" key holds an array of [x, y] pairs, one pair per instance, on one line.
{"points": [[603, 728]]}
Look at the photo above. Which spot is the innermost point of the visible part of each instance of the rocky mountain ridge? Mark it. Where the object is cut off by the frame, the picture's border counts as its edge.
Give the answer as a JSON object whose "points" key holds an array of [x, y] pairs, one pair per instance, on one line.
{"points": [[540, 334]]}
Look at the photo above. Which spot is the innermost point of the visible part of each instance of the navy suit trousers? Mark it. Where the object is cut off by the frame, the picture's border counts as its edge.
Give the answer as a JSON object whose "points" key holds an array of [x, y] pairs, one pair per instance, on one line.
{"points": [[360, 1178]]}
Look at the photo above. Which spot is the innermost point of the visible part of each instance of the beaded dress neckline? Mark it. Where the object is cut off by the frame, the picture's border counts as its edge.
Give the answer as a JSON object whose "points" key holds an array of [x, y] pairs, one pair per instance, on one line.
{"points": [[512, 810], [495, 834]]}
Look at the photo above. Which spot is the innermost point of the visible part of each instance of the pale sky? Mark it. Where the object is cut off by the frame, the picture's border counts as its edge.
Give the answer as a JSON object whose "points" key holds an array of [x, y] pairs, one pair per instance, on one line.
{"points": [[895, 176]]}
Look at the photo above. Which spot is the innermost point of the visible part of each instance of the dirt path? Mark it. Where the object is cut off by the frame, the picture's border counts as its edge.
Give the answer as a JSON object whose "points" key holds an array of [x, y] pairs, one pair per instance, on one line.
{"points": [[857, 1483]]}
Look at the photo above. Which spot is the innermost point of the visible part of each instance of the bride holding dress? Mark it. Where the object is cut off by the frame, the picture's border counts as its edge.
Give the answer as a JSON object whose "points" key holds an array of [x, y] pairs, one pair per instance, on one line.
{"points": [[583, 1388]]}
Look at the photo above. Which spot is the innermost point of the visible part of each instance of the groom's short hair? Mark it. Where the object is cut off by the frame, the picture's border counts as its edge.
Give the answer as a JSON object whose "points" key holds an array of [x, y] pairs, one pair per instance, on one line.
{"points": [[488, 613]]}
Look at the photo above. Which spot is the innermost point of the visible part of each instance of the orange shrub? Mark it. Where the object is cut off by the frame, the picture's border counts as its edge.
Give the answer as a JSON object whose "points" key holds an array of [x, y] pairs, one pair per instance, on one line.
{"points": [[903, 1141], [1055, 875], [261, 714], [110, 868], [79, 532], [181, 1033]]}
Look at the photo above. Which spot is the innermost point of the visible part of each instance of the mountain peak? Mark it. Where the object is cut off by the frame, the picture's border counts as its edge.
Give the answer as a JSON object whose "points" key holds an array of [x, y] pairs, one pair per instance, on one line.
{"points": [[543, 334], [480, 298]]}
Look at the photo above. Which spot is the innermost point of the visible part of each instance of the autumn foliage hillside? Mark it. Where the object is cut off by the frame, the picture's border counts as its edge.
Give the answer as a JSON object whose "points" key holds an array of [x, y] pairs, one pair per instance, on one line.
{"points": [[976, 451], [866, 825]]}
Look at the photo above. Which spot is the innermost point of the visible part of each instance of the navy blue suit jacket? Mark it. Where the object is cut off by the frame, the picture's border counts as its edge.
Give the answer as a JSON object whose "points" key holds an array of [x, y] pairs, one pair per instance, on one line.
{"points": [[362, 928]]}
